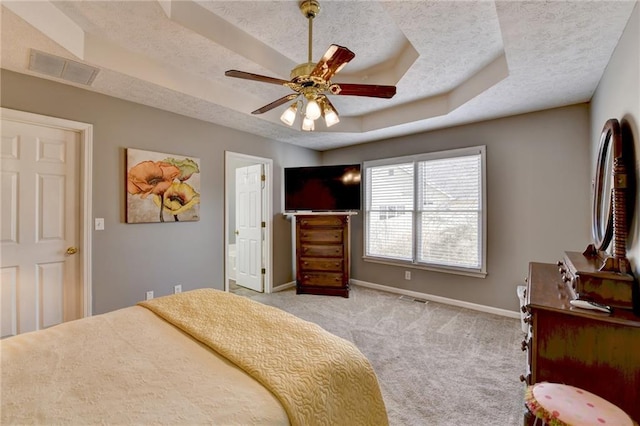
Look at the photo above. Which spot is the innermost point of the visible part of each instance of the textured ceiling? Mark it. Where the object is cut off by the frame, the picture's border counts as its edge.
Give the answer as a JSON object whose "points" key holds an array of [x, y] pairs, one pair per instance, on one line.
{"points": [[452, 62]]}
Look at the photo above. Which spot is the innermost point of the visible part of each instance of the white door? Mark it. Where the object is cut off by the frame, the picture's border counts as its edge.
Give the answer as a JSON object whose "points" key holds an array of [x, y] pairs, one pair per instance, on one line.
{"points": [[249, 227], [39, 227]]}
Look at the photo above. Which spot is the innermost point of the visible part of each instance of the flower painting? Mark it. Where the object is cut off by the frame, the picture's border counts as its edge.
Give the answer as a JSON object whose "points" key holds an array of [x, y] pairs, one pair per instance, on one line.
{"points": [[162, 187]]}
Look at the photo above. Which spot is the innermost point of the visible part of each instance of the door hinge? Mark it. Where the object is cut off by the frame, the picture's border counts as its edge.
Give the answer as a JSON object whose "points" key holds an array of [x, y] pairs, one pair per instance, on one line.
{"points": [[264, 271], [263, 224], [263, 178]]}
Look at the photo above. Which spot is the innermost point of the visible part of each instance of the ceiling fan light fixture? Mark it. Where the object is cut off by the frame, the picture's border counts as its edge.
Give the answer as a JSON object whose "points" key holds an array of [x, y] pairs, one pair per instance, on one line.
{"points": [[289, 115], [312, 111], [308, 125], [328, 111], [311, 82], [330, 117]]}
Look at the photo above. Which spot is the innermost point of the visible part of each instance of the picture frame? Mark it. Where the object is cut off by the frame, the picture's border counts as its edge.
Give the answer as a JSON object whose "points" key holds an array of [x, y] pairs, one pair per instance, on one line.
{"points": [[161, 187]]}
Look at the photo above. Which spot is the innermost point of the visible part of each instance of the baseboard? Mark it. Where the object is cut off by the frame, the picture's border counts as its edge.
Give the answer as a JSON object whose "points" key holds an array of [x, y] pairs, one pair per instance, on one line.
{"points": [[283, 286], [439, 299]]}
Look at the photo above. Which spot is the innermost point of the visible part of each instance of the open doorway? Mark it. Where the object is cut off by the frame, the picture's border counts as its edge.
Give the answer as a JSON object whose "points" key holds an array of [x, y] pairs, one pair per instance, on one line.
{"points": [[248, 224]]}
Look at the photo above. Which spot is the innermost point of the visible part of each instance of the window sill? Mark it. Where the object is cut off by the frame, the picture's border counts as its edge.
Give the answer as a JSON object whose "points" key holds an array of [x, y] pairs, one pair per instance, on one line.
{"points": [[443, 269]]}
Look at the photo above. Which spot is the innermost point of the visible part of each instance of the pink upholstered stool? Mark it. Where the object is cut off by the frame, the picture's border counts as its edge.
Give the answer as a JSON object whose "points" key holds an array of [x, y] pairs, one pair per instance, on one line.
{"points": [[564, 405]]}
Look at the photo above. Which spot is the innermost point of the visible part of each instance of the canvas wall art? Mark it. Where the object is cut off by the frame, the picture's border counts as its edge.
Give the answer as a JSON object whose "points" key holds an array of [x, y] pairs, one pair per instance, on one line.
{"points": [[162, 187]]}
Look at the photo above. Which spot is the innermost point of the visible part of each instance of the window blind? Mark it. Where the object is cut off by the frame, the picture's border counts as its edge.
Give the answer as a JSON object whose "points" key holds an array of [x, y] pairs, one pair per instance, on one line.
{"points": [[389, 212], [449, 211], [427, 209]]}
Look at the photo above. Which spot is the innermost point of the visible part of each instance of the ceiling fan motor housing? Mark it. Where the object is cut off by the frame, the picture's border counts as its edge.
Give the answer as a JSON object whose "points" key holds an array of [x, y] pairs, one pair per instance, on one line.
{"points": [[302, 69]]}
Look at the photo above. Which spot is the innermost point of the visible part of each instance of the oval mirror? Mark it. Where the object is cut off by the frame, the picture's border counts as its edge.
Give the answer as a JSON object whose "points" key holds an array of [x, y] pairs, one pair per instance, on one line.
{"points": [[602, 218]]}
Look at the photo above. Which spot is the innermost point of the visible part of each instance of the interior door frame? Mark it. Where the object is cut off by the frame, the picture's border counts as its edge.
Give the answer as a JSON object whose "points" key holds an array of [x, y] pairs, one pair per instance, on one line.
{"points": [[267, 210], [85, 132]]}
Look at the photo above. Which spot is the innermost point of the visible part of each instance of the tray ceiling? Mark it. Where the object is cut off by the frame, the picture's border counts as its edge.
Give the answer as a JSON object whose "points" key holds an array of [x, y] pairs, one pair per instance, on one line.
{"points": [[453, 62]]}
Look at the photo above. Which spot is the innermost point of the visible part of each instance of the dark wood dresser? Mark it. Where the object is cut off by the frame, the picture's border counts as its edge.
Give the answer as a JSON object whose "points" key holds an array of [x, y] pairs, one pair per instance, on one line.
{"points": [[592, 350], [322, 254]]}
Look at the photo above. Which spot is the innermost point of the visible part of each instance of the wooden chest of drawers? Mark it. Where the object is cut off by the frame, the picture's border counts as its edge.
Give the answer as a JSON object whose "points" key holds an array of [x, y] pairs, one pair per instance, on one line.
{"points": [[322, 254], [591, 350]]}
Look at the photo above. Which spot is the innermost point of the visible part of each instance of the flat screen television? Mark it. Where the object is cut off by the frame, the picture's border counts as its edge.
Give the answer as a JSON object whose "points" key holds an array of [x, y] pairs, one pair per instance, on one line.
{"points": [[322, 188]]}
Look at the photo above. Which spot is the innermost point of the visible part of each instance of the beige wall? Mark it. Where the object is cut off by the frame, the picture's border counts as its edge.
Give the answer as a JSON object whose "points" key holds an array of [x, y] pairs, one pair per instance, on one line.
{"points": [[538, 190], [129, 259], [618, 96]]}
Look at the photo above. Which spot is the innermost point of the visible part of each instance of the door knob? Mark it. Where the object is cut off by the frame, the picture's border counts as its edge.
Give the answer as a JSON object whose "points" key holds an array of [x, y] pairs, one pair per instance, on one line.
{"points": [[72, 250]]}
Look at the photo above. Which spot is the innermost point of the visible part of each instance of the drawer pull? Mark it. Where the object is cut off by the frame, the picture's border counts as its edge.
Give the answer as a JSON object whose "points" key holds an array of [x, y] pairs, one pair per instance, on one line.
{"points": [[337, 263], [306, 277], [337, 279], [305, 263]]}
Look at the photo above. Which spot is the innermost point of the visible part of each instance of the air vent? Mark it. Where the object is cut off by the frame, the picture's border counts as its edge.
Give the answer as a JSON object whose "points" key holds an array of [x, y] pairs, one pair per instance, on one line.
{"points": [[412, 299], [66, 69]]}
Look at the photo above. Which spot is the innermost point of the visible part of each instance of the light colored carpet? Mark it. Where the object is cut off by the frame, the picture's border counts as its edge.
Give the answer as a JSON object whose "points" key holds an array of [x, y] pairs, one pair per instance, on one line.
{"points": [[437, 365]]}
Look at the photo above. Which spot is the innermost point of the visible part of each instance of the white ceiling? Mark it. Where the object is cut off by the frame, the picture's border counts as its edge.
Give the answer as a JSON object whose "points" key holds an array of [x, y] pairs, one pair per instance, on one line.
{"points": [[452, 62]]}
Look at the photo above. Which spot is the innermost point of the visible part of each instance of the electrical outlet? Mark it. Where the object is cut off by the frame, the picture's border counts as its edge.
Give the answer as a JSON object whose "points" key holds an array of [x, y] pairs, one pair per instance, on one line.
{"points": [[177, 288], [99, 224], [149, 295], [407, 275]]}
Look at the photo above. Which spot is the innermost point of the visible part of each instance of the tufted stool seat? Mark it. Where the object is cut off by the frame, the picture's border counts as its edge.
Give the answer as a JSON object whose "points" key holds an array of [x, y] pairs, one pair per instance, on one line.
{"points": [[563, 405]]}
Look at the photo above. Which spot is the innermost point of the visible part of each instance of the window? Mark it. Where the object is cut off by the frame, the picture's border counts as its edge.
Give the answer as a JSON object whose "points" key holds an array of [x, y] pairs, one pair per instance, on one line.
{"points": [[427, 210]]}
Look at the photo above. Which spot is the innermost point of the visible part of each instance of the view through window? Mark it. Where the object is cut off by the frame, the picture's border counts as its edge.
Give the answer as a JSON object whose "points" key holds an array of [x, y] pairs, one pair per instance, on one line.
{"points": [[427, 209]]}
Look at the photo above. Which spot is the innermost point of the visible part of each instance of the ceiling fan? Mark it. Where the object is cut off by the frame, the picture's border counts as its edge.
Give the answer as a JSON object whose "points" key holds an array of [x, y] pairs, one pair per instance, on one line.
{"points": [[312, 82]]}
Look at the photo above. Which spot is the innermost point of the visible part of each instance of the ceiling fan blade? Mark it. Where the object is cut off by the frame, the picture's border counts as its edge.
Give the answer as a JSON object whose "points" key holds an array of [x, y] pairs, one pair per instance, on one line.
{"points": [[370, 90], [255, 77], [333, 60], [276, 103]]}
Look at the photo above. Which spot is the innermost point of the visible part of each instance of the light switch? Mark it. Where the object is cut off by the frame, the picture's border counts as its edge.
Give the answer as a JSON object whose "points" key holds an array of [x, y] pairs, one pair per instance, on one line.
{"points": [[99, 224]]}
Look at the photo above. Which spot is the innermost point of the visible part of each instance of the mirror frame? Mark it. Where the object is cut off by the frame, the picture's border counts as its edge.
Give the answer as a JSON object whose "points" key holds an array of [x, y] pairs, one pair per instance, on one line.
{"points": [[601, 226]]}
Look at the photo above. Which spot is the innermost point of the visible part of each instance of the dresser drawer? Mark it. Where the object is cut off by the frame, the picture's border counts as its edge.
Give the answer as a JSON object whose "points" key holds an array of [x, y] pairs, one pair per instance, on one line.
{"points": [[321, 250], [321, 264], [321, 235], [322, 254], [321, 220], [326, 279]]}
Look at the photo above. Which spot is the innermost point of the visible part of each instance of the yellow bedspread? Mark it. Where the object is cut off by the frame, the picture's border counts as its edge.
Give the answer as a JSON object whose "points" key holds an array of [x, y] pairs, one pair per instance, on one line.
{"points": [[319, 378], [126, 367]]}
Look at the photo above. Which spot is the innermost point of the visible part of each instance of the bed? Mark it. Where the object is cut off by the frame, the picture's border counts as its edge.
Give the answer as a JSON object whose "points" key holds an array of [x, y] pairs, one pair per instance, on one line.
{"points": [[199, 357]]}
